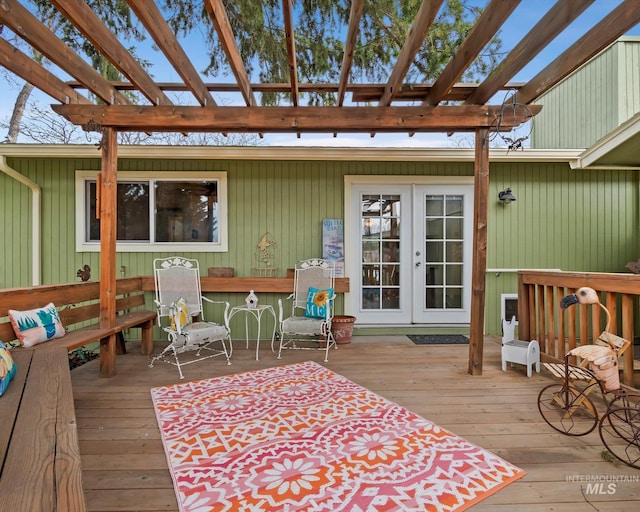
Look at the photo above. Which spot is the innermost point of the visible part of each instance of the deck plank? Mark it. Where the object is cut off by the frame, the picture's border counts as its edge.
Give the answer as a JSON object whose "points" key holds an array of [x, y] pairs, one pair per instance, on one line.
{"points": [[124, 466]]}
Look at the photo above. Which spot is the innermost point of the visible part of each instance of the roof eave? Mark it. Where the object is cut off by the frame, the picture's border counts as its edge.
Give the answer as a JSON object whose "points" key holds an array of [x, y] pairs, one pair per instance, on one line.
{"points": [[596, 156], [288, 153]]}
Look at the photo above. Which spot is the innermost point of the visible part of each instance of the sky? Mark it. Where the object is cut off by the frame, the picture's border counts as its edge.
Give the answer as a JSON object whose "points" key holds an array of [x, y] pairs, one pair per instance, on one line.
{"points": [[524, 17]]}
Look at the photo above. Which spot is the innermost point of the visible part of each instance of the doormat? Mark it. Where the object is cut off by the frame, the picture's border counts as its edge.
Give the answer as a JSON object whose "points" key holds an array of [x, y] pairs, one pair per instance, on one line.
{"points": [[438, 339], [300, 437]]}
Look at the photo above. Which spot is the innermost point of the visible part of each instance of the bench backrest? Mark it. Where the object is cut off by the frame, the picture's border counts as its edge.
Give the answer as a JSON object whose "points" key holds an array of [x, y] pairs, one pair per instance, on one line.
{"points": [[78, 304]]}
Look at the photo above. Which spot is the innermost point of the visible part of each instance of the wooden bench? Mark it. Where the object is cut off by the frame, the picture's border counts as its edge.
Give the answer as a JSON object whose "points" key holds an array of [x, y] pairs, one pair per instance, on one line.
{"points": [[39, 455], [78, 305]]}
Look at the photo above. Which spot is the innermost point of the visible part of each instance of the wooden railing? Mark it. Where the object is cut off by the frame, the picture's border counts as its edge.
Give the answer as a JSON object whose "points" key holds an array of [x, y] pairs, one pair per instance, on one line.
{"points": [[558, 331], [244, 284]]}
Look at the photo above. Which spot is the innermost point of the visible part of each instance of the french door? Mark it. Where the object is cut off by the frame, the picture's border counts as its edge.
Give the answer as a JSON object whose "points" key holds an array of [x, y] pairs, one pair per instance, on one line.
{"points": [[411, 247]]}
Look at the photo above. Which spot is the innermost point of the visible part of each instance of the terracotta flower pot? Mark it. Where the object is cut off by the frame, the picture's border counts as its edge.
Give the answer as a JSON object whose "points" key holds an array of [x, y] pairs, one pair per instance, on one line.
{"points": [[342, 328]]}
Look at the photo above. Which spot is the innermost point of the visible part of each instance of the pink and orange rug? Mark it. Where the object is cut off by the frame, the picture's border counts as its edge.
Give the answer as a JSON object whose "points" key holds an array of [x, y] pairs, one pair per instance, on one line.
{"points": [[301, 437]]}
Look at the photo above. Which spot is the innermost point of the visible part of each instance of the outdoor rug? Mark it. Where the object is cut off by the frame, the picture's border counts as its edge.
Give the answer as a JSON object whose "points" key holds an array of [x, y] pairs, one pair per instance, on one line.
{"points": [[438, 339], [301, 437]]}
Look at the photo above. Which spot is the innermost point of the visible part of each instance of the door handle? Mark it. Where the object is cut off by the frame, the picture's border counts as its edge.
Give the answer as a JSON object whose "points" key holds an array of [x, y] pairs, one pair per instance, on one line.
{"points": [[418, 263]]}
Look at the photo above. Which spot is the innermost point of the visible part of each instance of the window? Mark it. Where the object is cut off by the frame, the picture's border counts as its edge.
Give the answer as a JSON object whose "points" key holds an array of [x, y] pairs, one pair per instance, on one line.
{"points": [[184, 213], [509, 306]]}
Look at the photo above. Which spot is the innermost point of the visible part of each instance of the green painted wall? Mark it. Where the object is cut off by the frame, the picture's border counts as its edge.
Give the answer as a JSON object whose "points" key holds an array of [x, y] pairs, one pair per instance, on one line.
{"points": [[592, 101], [572, 220]]}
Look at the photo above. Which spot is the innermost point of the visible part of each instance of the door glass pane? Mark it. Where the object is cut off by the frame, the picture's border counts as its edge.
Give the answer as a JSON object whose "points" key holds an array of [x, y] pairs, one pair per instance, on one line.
{"points": [[444, 246], [454, 275], [433, 298], [434, 275], [370, 251], [391, 298], [391, 275], [434, 228], [434, 206], [454, 229], [454, 206], [454, 298], [454, 252], [435, 251], [380, 251]]}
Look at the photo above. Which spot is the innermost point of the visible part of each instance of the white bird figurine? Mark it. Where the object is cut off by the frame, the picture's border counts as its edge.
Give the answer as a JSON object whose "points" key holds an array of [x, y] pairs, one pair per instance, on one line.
{"points": [[603, 360], [585, 295]]}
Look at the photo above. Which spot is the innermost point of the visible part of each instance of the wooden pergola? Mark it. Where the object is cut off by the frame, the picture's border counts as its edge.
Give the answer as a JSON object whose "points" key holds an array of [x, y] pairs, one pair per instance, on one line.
{"points": [[441, 106]]}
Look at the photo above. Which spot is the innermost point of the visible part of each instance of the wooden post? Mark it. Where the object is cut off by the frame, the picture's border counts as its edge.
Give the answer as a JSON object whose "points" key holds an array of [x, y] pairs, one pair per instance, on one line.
{"points": [[108, 225], [479, 266]]}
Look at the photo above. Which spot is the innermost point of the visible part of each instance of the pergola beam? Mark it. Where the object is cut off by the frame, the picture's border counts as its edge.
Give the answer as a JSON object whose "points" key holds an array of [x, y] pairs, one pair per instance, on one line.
{"points": [[289, 119], [419, 29], [357, 6], [555, 21], [489, 22], [29, 28], [218, 15], [291, 50], [87, 22], [614, 25], [366, 92], [32, 72], [150, 16]]}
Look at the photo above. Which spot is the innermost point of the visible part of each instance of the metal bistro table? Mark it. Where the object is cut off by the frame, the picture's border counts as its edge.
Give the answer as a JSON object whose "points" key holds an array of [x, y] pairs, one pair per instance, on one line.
{"points": [[256, 312]]}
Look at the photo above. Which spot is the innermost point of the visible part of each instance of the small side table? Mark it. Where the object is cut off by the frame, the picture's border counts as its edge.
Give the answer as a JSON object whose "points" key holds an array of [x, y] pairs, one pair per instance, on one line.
{"points": [[257, 314]]}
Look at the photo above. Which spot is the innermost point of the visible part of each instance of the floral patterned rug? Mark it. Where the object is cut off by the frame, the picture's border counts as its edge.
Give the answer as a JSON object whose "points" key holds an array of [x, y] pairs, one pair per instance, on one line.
{"points": [[301, 437]]}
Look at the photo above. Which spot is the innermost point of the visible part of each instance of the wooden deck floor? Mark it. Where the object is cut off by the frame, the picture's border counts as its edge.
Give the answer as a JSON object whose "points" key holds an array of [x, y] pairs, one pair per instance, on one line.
{"points": [[124, 466]]}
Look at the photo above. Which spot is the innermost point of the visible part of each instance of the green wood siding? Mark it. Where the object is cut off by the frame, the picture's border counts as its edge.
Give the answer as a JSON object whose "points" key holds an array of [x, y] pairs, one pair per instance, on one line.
{"points": [[592, 101], [15, 219], [572, 220], [563, 219]]}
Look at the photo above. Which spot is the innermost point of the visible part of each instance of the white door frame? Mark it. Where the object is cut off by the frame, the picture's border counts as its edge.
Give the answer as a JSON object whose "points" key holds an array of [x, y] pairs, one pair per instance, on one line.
{"points": [[352, 227]]}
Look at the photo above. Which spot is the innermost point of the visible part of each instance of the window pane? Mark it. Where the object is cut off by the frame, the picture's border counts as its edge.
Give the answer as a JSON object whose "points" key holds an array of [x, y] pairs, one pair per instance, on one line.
{"points": [[133, 212], [454, 228], [390, 228], [455, 206], [371, 298], [390, 252], [370, 252], [434, 275], [454, 275], [390, 206], [370, 275], [186, 211], [390, 298], [434, 206], [435, 251], [454, 252], [434, 229], [391, 275], [433, 298], [454, 298]]}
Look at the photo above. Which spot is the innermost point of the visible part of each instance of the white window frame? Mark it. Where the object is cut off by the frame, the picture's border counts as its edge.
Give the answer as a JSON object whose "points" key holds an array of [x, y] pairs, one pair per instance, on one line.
{"points": [[504, 297], [221, 245]]}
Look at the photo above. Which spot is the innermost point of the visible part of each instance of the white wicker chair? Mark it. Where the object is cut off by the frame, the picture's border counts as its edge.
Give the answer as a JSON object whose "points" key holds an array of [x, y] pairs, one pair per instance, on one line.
{"points": [[299, 330], [177, 282]]}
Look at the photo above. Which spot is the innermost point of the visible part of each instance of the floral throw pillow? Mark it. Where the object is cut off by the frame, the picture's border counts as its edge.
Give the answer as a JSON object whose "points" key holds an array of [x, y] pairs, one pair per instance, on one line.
{"points": [[36, 325], [317, 302], [7, 368], [179, 315]]}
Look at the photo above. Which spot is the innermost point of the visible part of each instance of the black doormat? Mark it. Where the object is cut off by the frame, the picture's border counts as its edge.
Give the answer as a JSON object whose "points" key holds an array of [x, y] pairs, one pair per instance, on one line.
{"points": [[438, 339]]}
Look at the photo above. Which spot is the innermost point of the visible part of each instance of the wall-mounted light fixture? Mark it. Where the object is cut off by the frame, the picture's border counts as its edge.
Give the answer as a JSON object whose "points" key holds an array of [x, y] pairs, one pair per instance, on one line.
{"points": [[506, 196]]}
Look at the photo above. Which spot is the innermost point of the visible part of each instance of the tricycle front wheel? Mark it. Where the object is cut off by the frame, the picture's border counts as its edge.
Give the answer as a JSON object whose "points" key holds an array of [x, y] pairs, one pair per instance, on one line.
{"points": [[567, 410]]}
